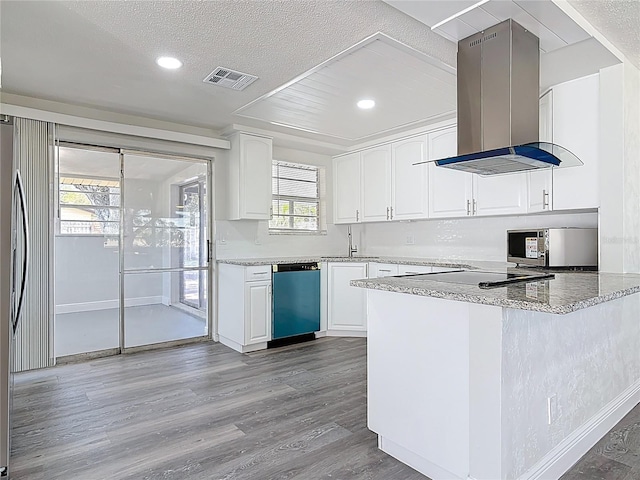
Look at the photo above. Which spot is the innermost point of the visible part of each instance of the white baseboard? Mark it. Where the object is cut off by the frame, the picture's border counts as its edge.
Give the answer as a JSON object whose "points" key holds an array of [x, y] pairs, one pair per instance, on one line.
{"points": [[106, 304], [242, 348], [564, 455], [346, 333]]}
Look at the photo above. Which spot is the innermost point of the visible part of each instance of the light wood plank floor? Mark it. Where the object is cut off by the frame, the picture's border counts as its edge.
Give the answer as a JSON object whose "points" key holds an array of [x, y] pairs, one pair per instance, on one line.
{"points": [[204, 411]]}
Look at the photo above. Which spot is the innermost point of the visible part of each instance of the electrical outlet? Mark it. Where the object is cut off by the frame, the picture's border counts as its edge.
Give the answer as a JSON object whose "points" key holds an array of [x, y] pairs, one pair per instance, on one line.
{"points": [[552, 409], [410, 240]]}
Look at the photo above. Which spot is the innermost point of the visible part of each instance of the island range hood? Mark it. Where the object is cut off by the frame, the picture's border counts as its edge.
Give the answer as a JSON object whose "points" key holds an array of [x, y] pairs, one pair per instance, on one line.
{"points": [[498, 105]]}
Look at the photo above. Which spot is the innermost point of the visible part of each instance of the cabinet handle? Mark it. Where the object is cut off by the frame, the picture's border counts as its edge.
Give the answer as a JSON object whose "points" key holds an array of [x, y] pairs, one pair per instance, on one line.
{"points": [[545, 199], [475, 207], [391, 213], [468, 207], [357, 215], [387, 213], [271, 213]]}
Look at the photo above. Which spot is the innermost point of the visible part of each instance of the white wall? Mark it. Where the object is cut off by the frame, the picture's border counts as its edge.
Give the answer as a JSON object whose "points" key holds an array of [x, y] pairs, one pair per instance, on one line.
{"points": [[620, 172], [476, 238], [631, 168]]}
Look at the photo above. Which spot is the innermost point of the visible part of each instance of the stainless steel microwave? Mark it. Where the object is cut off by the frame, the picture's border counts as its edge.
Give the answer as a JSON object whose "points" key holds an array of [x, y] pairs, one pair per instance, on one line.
{"points": [[553, 247]]}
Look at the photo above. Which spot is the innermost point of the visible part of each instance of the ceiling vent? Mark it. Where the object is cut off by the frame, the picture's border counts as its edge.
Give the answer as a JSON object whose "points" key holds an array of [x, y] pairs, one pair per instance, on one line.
{"points": [[225, 77]]}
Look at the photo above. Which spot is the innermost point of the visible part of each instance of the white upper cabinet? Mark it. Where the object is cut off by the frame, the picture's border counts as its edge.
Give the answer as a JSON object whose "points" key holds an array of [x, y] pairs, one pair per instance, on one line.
{"points": [[409, 182], [453, 193], [499, 194], [450, 191], [576, 128], [346, 175], [376, 184], [249, 183], [540, 181]]}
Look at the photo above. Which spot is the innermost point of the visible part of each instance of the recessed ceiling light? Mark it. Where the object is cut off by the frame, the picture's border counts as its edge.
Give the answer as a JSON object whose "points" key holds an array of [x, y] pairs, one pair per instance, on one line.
{"points": [[169, 62], [366, 104]]}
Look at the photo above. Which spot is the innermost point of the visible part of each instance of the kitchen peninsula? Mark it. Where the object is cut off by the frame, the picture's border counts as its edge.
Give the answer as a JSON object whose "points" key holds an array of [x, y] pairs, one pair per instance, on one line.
{"points": [[515, 382]]}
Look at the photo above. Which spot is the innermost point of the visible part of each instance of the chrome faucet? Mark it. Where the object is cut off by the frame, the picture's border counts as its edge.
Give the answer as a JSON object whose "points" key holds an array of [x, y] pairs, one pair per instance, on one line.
{"points": [[352, 249]]}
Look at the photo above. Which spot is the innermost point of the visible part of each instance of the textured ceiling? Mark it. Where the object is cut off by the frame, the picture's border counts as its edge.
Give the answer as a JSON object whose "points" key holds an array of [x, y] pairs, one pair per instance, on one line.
{"points": [[102, 54], [617, 20]]}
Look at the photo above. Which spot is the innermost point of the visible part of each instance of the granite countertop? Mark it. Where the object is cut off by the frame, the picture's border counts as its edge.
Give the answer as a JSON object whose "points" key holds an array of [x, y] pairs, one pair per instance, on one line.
{"points": [[248, 262], [566, 293]]}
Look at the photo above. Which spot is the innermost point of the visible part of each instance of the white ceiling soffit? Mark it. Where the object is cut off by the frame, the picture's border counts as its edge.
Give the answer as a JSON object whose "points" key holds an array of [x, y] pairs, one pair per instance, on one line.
{"points": [[409, 88], [554, 29], [617, 20]]}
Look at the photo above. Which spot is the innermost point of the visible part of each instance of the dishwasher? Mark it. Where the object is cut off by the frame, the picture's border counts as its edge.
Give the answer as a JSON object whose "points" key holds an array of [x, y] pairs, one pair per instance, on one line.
{"points": [[296, 302]]}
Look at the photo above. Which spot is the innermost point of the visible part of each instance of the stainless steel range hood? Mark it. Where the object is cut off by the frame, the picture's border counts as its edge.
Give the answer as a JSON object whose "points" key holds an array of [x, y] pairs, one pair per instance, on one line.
{"points": [[498, 102]]}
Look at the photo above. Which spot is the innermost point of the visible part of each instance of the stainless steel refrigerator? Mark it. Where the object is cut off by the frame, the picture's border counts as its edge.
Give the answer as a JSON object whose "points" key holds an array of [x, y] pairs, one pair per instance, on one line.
{"points": [[14, 260]]}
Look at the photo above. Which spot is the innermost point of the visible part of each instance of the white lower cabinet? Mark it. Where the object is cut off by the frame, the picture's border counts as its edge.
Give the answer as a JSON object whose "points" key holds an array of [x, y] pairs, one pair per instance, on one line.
{"points": [[257, 296], [244, 306], [347, 305]]}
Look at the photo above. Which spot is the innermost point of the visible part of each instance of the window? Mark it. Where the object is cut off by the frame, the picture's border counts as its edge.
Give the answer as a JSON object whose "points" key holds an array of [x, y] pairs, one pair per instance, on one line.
{"points": [[296, 198], [89, 206]]}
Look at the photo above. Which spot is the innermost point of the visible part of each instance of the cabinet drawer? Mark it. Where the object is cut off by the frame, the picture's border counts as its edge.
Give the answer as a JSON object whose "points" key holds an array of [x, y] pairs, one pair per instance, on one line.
{"points": [[256, 273], [414, 269]]}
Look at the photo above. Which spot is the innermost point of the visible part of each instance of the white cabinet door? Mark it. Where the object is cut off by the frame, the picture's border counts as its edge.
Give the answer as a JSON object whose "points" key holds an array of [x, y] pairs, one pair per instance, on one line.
{"points": [[539, 190], [409, 182], [249, 184], [347, 308], [500, 194], [376, 183], [450, 191], [540, 181], [257, 312], [346, 174], [575, 127], [379, 270]]}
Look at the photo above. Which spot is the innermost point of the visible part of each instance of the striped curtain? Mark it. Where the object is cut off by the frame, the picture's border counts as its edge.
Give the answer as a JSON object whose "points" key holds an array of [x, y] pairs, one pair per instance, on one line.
{"points": [[33, 152]]}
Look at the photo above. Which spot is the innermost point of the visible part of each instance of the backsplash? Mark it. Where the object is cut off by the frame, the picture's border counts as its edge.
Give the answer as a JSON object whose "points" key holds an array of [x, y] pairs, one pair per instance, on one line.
{"points": [[479, 238]]}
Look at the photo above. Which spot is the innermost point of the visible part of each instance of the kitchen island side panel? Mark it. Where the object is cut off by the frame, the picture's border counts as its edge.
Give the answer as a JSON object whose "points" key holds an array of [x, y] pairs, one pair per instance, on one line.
{"points": [[418, 378], [586, 359]]}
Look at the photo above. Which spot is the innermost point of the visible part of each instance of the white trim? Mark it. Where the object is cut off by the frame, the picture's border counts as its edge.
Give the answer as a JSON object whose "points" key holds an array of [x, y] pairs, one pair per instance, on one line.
{"points": [[345, 333], [242, 348], [564, 455], [574, 15], [102, 125], [106, 304]]}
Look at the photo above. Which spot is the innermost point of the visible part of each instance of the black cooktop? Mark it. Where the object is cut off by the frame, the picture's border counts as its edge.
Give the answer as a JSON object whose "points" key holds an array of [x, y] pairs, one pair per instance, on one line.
{"points": [[483, 279]]}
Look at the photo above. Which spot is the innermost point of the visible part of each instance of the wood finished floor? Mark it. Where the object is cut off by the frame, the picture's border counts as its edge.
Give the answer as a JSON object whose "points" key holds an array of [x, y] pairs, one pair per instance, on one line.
{"points": [[204, 411]]}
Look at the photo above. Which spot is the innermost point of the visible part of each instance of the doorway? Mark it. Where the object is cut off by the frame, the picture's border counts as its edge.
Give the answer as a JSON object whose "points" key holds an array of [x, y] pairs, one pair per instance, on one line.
{"points": [[132, 250]]}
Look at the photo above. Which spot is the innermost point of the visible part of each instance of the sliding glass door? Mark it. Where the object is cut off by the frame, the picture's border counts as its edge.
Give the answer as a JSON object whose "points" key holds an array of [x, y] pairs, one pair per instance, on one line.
{"points": [[164, 241], [193, 283], [86, 255]]}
